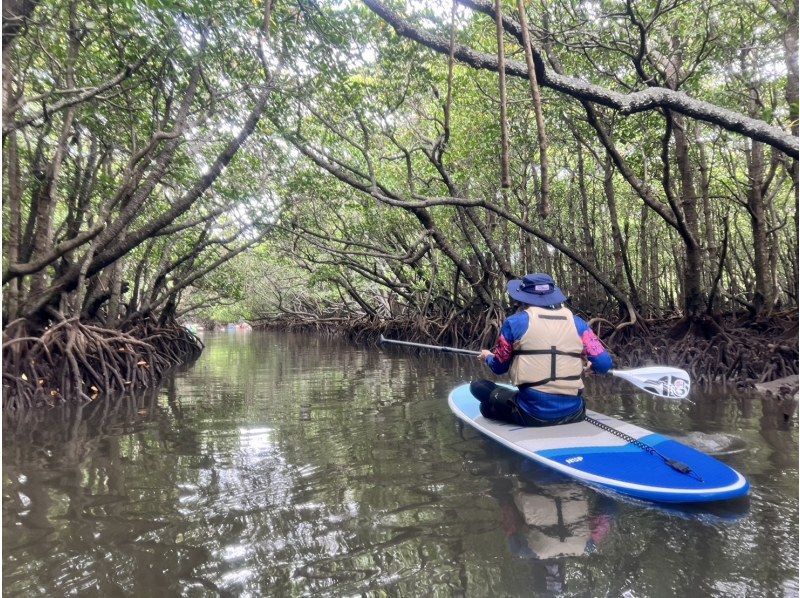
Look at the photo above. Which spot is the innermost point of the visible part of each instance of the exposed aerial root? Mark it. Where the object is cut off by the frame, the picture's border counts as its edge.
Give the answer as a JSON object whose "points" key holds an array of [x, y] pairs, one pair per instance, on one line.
{"points": [[723, 351], [71, 361]]}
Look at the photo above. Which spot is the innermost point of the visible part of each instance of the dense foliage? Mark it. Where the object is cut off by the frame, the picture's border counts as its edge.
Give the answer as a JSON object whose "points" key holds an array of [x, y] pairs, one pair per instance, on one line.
{"points": [[396, 205], [392, 163]]}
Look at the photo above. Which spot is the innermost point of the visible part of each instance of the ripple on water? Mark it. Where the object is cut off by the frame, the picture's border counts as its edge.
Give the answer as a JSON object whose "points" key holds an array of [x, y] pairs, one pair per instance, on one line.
{"points": [[288, 465]]}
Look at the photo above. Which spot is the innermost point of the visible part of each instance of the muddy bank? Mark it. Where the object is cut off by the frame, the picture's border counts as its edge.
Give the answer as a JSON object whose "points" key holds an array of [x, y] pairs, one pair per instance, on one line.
{"points": [[782, 387]]}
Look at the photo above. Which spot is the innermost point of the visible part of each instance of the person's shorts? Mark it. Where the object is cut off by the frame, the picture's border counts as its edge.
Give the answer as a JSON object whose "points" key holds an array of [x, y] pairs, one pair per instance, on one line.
{"points": [[500, 403]]}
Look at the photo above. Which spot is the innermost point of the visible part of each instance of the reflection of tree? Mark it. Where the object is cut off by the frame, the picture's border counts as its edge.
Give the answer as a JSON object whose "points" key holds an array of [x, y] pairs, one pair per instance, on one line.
{"points": [[86, 484], [252, 456]]}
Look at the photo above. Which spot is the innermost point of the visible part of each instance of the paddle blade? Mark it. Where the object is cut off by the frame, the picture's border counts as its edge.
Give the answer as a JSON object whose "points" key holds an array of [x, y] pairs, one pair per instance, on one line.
{"points": [[666, 382]]}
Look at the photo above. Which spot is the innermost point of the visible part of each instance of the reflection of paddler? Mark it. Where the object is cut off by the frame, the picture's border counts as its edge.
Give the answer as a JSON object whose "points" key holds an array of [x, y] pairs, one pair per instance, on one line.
{"points": [[550, 523], [554, 523]]}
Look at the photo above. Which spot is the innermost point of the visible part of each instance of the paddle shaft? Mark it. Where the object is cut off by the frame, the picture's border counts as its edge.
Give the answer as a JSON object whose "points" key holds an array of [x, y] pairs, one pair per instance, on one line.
{"points": [[431, 347]]}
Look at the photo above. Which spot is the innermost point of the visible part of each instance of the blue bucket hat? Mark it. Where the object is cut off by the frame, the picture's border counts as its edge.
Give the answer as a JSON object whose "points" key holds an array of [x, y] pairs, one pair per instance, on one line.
{"points": [[536, 289]]}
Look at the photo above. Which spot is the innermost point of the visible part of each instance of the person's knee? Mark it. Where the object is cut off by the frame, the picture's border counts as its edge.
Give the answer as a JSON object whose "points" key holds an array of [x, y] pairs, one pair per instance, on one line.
{"points": [[501, 394], [481, 389]]}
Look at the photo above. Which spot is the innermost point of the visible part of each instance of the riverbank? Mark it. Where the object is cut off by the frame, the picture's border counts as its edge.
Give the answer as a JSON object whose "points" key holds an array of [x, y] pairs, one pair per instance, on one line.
{"points": [[730, 350], [74, 362]]}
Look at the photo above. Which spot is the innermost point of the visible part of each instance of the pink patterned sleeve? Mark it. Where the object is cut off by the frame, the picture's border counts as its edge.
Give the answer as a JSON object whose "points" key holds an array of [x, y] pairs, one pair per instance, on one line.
{"points": [[592, 344], [503, 350]]}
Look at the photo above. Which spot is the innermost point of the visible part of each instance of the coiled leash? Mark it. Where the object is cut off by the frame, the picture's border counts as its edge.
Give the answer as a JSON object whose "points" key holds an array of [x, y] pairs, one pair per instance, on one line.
{"points": [[678, 466]]}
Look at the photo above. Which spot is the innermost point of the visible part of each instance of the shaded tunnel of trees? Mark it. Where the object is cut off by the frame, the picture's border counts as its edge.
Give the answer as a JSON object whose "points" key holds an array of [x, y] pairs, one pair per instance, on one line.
{"points": [[367, 167]]}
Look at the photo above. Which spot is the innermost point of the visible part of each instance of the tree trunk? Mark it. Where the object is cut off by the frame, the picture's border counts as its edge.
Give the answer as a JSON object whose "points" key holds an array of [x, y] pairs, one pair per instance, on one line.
{"points": [[505, 176], [115, 282], [541, 134], [693, 273], [763, 295], [616, 236], [586, 229]]}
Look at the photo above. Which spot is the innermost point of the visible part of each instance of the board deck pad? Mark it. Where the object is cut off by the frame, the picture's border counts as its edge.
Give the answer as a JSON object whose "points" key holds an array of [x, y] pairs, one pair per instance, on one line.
{"points": [[595, 456]]}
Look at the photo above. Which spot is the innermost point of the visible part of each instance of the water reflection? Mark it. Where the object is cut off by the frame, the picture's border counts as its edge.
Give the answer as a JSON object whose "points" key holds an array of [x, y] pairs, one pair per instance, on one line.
{"points": [[287, 464], [552, 524]]}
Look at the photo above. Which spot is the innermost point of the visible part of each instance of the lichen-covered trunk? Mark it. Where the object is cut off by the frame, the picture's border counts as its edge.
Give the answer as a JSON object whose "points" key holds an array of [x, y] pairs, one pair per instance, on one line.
{"points": [[763, 294], [693, 272], [616, 235], [790, 57]]}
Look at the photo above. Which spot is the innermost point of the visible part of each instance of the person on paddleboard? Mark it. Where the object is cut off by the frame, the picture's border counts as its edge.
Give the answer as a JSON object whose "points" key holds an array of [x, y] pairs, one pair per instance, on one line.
{"points": [[542, 348]]}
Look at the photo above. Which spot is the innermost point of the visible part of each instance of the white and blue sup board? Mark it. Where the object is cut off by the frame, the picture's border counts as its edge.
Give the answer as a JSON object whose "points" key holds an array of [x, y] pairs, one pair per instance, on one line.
{"points": [[588, 453]]}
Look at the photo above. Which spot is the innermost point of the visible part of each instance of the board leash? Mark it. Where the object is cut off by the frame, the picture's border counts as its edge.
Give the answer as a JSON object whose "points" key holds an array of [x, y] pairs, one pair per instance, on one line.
{"points": [[678, 466]]}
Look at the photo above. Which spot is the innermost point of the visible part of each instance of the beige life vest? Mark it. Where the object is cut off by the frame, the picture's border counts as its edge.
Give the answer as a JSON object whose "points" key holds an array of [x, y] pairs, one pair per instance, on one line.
{"points": [[549, 354]]}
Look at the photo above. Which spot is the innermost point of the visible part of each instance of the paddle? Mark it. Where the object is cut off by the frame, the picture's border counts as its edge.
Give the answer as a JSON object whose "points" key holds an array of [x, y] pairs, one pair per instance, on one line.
{"points": [[661, 381]]}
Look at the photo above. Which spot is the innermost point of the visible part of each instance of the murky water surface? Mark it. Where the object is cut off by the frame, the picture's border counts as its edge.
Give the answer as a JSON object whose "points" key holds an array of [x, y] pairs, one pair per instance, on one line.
{"points": [[292, 465]]}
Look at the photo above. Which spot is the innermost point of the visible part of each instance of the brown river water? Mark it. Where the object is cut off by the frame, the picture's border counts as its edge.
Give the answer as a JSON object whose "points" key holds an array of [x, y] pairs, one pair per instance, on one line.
{"points": [[291, 465]]}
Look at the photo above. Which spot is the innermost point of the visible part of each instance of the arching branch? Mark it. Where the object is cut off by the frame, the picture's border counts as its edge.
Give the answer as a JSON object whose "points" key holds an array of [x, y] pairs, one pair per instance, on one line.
{"points": [[630, 103]]}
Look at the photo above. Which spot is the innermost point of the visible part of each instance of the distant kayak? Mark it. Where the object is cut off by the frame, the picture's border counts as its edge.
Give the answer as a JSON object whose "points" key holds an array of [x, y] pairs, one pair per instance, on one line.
{"points": [[599, 457]]}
